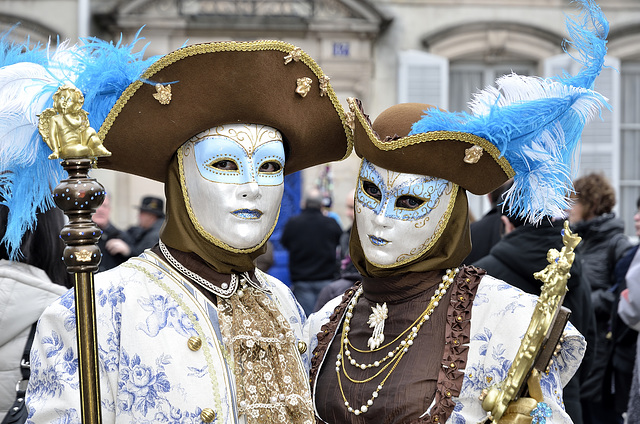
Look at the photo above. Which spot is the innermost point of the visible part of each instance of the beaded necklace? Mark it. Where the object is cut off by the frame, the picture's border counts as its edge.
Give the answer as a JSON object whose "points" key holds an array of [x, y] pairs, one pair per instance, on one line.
{"points": [[392, 357]]}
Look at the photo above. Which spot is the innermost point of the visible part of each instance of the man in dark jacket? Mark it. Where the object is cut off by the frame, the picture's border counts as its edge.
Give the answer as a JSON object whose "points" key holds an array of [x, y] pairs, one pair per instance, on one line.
{"points": [[311, 239], [143, 236], [521, 253]]}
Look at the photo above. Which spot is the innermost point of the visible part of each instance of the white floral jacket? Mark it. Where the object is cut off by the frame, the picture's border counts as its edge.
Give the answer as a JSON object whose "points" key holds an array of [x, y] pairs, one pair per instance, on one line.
{"points": [[146, 313], [500, 316]]}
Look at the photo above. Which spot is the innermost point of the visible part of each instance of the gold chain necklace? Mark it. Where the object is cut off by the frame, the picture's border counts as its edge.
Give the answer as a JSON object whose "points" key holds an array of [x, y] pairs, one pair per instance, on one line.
{"points": [[393, 356]]}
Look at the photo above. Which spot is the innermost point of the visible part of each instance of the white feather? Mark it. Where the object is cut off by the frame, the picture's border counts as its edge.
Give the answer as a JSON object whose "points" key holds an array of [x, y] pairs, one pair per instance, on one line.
{"points": [[25, 89]]}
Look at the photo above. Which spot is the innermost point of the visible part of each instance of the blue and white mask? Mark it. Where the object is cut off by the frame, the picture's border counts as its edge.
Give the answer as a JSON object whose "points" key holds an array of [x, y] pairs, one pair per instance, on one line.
{"points": [[233, 176], [400, 216]]}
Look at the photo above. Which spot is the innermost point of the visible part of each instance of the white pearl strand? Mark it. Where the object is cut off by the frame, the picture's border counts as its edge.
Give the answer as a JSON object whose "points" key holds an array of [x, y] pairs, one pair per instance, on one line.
{"points": [[447, 280]]}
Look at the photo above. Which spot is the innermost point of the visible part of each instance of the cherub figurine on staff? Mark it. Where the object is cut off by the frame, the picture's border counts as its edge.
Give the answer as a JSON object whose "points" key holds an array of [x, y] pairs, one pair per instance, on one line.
{"points": [[65, 127]]}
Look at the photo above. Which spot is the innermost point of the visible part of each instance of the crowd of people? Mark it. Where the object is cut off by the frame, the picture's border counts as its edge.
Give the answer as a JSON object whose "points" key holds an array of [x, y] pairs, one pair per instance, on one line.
{"points": [[389, 320]]}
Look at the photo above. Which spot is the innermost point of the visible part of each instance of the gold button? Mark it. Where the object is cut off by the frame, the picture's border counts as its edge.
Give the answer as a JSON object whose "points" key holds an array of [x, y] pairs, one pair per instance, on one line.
{"points": [[459, 318], [452, 365], [456, 342], [436, 419], [302, 347], [194, 343], [448, 394], [461, 298], [208, 415]]}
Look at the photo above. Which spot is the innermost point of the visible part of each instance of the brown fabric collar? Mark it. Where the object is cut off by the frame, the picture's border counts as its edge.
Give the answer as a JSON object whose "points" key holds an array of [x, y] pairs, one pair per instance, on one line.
{"points": [[399, 288]]}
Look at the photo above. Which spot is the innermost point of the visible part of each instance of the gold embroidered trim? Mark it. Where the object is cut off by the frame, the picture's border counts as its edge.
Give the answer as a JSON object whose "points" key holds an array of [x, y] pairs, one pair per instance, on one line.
{"points": [[200, 229], [249, 46], [206, 350], [442, 224], [433, 136]]}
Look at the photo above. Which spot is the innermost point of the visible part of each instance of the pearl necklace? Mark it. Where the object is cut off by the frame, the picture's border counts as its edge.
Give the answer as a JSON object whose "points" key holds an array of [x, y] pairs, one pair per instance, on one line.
{"points": [[392, 357]]}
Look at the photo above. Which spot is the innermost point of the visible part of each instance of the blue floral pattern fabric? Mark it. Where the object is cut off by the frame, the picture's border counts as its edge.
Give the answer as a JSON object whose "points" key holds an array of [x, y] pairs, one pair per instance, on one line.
{"points": [[499, 319], [145, 315]]}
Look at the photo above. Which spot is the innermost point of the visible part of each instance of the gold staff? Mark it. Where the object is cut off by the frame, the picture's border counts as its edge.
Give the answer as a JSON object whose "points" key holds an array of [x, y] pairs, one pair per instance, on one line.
{"points": [[65, 128], [546, 313]]}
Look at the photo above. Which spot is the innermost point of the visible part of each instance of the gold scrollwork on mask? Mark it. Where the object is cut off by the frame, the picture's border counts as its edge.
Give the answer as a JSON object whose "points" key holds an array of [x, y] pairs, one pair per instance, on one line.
{"points": [[304, 85]]}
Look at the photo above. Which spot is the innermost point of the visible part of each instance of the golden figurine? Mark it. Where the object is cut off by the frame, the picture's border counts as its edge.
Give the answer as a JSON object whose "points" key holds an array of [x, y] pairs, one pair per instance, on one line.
{"points": [[65, 127], [295, 55], [324, 84], [304, 85], [498, 398], [473, 154], [163, 94]]}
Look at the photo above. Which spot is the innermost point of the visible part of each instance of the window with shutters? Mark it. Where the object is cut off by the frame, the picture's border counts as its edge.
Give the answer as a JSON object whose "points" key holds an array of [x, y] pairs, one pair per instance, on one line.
{"points": [[629, 142]]}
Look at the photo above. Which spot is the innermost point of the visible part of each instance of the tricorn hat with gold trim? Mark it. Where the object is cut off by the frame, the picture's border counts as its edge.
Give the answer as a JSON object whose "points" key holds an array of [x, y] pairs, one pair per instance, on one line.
{"points": [[205, 85], [526, 128], [145, 108]]}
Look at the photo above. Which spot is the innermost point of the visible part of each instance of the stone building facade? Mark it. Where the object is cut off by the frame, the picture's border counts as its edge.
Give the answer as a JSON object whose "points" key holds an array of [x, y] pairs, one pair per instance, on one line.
{"points": [[383, 52]]}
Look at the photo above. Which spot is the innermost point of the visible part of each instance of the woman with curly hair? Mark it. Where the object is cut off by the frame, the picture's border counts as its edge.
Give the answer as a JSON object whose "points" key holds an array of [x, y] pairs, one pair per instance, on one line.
{"points": [[603, 244]]}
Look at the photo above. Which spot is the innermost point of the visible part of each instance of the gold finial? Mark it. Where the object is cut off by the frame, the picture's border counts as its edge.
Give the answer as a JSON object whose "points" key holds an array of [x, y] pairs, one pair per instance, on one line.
{"points": [[324, 84], [163, 94], [295, 54], [473, 154], [554, 276], [304, 85], [65, 127]]}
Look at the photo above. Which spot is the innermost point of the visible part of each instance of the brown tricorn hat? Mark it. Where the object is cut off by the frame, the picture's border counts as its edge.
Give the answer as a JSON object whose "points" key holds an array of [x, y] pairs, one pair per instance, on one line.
{"points": [[205, 85], [470, 161]]}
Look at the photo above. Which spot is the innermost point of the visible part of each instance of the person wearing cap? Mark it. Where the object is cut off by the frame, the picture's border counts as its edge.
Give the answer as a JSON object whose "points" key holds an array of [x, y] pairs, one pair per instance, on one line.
{"points": [[424, 338], [142, 236], [190, 330]]}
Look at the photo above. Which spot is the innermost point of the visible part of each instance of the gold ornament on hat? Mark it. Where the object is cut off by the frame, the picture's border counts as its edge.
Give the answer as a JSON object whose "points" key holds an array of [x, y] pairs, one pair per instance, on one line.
{"points": [[295, 55], [65, 127], [163, 94], [304, 85], [473, 154], [324, 84]]}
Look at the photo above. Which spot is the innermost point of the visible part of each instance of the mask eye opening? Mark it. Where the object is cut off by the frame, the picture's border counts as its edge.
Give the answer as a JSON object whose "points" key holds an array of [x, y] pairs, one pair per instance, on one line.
{"points": [[223, 164]]}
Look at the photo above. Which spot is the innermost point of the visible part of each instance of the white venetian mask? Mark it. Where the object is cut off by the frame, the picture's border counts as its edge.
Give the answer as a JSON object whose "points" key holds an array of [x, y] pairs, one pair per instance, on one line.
{"points": [[400, 216], [234, 179]]}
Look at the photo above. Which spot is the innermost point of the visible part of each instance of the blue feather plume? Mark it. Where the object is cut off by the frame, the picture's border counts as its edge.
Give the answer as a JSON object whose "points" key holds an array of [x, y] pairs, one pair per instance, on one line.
{"points": [[29, 76], [536, 123]]}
